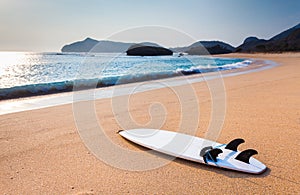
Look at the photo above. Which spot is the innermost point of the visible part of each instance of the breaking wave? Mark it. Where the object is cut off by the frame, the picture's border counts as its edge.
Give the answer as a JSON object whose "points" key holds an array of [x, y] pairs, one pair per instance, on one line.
{"points": [[83, 84]]}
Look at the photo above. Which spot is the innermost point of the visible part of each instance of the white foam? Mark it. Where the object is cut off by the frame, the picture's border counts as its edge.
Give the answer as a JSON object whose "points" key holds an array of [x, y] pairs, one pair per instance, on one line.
{"points": [[38, 102]]}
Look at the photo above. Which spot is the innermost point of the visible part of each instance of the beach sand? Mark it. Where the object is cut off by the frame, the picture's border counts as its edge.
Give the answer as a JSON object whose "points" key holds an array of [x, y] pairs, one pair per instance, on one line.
{"points": [[42, 152]]}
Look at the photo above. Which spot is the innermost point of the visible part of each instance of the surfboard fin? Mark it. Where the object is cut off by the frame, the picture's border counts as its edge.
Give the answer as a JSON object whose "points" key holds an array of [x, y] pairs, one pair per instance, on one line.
{"points": [[205, 150], [234, 144], [245, 155], [209, 153]]}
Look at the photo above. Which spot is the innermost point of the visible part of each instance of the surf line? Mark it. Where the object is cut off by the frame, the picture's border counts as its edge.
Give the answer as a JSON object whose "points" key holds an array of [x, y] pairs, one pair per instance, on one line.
{"points": [[38, 102]]}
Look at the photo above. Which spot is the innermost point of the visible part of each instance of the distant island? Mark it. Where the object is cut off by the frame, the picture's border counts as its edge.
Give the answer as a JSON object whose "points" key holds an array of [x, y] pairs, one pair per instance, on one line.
{"points": [[145, 50], [103, 46], [286, 41]]}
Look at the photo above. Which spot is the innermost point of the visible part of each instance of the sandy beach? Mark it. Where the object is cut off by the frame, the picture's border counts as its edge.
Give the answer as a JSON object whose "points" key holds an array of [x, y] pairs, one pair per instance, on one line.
{"points": [[43, 153]]}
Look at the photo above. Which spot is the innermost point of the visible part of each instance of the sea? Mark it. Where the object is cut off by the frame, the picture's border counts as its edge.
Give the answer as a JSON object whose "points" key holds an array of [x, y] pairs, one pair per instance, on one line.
{"points": [[24, 74]]}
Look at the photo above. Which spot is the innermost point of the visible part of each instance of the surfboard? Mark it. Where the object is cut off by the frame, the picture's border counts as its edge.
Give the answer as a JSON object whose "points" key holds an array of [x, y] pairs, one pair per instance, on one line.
{"points": [[197, 149]]}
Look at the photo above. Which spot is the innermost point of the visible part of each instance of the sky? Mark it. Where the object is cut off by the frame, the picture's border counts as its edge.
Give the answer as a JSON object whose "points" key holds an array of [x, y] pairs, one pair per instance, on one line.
{"points": [[47, 25]]}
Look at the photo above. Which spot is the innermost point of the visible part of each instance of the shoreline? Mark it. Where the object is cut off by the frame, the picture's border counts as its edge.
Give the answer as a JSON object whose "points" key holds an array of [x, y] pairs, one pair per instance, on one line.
{"points": [[43, 152], [56, 99], [54, 86]]}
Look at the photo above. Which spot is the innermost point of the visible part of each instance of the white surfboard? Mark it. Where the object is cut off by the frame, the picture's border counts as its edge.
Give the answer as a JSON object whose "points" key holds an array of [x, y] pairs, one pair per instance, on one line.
{"points": [[196, 149]]}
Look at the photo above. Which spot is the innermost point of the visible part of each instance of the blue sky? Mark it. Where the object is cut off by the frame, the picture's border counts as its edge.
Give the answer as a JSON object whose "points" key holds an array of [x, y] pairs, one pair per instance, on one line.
{"points": [[46, 25]]}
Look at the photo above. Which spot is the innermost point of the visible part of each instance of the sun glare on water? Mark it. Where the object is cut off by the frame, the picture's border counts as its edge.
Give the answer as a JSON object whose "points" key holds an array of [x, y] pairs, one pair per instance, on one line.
{"points": [[12, 67], [11, 58], [8, 59]]}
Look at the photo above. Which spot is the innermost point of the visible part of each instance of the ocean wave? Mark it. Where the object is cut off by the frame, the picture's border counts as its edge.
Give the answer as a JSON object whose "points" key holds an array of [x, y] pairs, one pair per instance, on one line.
{"points": [[76, 85], [84, 84], [238, 64], [209, 68]]}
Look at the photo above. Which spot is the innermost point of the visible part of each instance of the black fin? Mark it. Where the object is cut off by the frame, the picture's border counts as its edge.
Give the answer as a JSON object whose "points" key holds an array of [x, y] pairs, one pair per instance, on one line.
{"points": [[234, 144], [213, 154], [245, 155], [205, 150], [209, 153]]}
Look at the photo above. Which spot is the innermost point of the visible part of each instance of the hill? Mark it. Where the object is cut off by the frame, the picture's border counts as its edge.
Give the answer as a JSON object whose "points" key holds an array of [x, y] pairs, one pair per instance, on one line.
{"points": [[202, 47], [103, 46], [286, 41]]}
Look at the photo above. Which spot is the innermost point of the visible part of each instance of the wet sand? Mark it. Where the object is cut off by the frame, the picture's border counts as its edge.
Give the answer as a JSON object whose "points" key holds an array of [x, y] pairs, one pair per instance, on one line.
{"points": [[43, 153]]}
